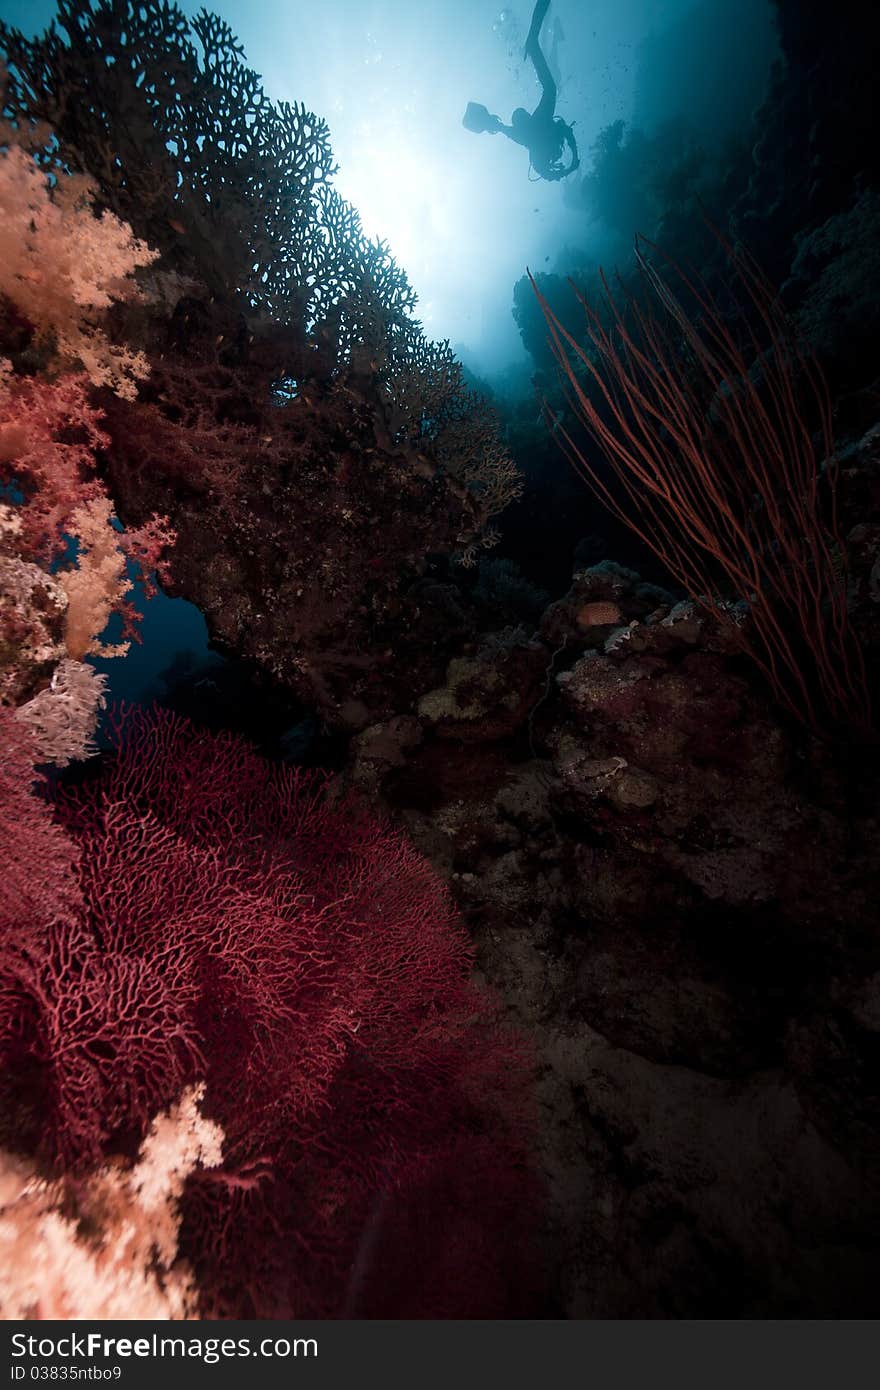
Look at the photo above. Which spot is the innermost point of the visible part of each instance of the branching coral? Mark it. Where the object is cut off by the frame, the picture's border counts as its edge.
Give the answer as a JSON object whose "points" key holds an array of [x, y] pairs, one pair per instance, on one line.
{"points": [[185, 146], [293, 306]]}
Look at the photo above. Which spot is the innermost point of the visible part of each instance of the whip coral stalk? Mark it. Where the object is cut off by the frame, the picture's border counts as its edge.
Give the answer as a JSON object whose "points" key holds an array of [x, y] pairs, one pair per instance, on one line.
{"points": [[706, 432]]}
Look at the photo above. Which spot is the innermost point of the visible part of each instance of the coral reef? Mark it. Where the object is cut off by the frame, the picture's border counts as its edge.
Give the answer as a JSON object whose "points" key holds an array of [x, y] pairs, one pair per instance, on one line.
{"points": [[715, 469], [560, 995], [302, 435], [218, 919], [676, 894], [64, 563]]}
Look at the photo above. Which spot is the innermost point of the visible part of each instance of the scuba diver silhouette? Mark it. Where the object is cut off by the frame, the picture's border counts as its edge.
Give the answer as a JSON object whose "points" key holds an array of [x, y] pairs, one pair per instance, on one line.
{"points": [[544, 135]]}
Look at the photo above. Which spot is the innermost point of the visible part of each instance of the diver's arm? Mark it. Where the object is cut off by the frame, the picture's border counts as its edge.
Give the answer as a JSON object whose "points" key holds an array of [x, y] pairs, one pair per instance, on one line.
{"points": [[512, 133], [572, 145], [495, 126]]}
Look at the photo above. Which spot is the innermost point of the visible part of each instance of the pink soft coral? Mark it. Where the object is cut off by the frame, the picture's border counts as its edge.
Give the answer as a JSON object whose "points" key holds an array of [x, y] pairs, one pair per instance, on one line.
{"points": [[62, 267], [105, 1247], [49, 437]]}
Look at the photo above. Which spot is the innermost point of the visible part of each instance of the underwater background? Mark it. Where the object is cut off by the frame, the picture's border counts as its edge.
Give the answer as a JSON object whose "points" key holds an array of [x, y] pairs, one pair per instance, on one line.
{"points": [[439, 632]]}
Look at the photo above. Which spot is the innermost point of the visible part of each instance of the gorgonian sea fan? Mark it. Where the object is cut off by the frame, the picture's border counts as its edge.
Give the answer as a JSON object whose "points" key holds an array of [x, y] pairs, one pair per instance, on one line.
{"points": [[38, 879], [242, 926]]}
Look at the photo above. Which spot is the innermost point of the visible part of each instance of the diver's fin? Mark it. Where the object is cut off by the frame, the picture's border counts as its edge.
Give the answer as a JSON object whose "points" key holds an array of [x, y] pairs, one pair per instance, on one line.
{"points": [[478, 118]]}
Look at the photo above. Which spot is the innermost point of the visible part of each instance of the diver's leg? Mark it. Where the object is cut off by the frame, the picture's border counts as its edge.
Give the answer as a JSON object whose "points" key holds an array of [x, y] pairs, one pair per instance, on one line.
{"points": [[547, 104], [538, 16]]}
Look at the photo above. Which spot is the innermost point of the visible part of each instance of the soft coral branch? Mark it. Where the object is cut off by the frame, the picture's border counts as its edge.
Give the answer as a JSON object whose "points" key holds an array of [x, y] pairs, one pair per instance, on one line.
{"points": [[62, 267]]}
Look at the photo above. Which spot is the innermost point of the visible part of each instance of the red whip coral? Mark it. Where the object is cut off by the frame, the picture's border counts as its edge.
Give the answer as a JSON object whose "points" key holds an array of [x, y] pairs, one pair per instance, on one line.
{"points": [[242, 927], [709, 440]]}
